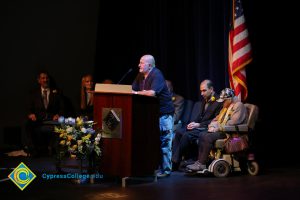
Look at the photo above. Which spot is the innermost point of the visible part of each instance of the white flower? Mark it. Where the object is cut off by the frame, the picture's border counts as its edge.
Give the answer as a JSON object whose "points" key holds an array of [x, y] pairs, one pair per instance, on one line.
{"points": [[61, 119], [69, 129], [71, 121]]}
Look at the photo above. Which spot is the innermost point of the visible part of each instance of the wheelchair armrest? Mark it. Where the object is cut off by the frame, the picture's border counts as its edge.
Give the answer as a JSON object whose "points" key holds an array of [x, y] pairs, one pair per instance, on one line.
{"points": [[237, 128]]}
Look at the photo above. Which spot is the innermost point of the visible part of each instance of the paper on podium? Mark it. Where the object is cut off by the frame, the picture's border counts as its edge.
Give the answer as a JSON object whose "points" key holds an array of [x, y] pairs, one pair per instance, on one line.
{"points": [[113, 88]]}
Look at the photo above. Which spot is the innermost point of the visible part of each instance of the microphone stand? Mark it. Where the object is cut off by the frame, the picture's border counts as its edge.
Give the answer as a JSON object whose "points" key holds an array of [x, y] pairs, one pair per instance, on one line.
{"points": [[124, 75]]}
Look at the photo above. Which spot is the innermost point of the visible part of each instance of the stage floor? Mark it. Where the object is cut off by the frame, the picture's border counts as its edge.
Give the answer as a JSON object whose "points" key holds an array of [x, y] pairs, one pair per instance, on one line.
{"points": [[272, 183]]}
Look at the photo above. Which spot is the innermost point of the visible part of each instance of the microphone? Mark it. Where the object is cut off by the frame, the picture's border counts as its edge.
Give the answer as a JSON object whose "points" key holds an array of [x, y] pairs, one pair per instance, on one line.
{"points": [[130, 70]]}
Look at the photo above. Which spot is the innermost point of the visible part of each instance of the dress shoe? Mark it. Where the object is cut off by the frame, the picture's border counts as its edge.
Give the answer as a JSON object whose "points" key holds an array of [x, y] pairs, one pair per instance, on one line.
{"points": [[185, 163], [197, 166]]}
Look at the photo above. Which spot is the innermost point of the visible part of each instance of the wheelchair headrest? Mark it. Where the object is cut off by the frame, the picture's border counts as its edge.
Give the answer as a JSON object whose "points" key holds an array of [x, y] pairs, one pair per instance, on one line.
{"points": [[252, 115]]}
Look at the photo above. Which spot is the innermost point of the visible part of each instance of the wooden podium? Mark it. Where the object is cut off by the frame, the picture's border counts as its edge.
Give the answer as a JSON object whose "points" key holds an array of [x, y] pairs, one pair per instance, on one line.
{"points": [[132, 148]]}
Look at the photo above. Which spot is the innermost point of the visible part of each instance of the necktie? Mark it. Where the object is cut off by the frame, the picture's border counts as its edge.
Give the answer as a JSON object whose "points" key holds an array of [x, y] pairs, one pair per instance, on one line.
{"points": [[89, 99], [45, 99], [205, 106]]}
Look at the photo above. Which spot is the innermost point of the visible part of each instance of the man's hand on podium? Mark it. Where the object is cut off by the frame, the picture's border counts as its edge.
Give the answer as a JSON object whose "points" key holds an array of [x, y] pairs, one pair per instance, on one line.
{"points": [[145, 92]]}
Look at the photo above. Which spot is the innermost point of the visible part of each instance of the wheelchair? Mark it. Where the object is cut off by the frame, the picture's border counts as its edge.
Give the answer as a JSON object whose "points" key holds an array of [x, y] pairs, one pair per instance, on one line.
{"points": [[221, 163]]}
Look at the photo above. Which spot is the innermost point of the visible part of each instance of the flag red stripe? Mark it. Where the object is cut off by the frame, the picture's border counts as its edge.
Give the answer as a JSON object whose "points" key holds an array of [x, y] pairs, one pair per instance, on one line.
{"points": [[239, 63], [240, 44], [240, 28], [241, 86]]}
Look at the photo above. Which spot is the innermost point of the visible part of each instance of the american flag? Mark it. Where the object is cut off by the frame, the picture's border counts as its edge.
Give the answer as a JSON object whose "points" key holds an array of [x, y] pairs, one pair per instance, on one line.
{"points": [[239, 49]]}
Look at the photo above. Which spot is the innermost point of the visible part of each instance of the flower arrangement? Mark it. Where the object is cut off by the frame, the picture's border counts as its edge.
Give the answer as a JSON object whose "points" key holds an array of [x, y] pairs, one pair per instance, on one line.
{"points": [[77, 138]]}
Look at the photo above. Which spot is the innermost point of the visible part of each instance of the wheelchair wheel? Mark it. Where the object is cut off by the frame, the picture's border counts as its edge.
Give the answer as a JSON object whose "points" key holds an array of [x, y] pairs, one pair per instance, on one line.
{"points": [[253, 168], [221, 169]]}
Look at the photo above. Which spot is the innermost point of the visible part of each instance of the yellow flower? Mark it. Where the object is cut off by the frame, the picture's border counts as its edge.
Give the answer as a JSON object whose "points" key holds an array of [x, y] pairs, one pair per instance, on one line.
{"points": [[173, 98], [213, 98], [73, 156], [63, 142], [79, 121], [70, 137]]}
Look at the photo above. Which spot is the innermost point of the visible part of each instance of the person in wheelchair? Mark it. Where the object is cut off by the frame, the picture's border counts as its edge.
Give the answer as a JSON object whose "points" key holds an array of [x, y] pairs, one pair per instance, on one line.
{"points": [[233, 113]]}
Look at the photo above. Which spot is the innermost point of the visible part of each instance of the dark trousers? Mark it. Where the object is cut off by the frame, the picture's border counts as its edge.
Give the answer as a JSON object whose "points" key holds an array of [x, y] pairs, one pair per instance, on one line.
{"points": [[40, 137], [206, 143], [183, 144]]}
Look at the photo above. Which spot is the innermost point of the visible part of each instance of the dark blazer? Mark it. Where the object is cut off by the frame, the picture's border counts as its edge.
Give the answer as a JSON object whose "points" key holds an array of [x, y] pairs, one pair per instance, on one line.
{"points": [[178, 102], [206, 116], [55, 105]]}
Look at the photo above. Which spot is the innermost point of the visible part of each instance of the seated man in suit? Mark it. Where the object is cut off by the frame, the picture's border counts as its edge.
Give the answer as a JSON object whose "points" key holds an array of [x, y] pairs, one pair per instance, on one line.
{"points": [[233, 113], [208, 110], [178, 102], [45, 107]]}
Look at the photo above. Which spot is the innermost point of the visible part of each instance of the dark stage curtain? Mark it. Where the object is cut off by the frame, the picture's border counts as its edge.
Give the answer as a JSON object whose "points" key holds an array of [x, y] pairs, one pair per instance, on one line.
{"points": [[189, 41], [187, 38]]}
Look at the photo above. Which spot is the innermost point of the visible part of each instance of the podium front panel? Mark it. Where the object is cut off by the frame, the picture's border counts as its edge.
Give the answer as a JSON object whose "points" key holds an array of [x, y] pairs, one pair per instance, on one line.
{"points": [[136, 151]]}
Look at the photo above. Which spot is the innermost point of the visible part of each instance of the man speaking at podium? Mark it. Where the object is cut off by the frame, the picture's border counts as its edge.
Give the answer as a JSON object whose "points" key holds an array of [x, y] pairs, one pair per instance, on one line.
{"points": [[151, 82]]}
